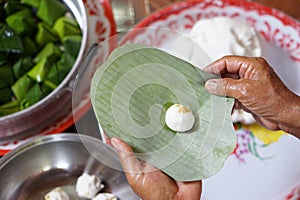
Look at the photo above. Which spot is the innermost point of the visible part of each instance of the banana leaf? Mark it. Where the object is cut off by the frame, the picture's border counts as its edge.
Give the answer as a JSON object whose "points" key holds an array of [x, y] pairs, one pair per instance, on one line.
{"points": [[129, 95]]}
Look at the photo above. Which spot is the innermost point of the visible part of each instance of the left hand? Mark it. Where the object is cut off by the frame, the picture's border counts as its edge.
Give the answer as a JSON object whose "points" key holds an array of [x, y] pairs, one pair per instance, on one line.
{"points": [[151, 183]]}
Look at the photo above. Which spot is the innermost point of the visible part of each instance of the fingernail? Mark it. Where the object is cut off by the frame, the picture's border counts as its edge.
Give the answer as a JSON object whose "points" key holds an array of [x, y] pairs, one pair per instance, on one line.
{"points": [[211, 85], [115, 143]]}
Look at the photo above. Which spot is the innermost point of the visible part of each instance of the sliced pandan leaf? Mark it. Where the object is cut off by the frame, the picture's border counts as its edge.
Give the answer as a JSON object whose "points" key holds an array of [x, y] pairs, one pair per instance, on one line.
{"points": [[128, 94], [65, 26], [22, 22], [5, 95], [72, 44], [30, 48], [49, 11], [9, 108], [45, 34], [6, 76], [22, 86], [10, 41], [50, 51], [33, 3], [22, 66], [59, 71], [40, 70]]}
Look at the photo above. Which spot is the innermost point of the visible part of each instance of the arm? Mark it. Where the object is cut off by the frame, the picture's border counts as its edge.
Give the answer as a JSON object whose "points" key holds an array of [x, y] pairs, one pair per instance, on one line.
{"points": [[257, 89]]}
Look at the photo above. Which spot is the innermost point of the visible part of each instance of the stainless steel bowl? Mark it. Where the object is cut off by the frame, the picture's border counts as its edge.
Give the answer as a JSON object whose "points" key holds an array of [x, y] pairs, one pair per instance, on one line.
{"points": [[57, 105], [36, 167]]}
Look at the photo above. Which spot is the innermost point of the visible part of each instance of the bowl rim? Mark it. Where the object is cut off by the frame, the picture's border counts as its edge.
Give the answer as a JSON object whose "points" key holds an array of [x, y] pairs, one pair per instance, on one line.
{"points": [[53, 138]]}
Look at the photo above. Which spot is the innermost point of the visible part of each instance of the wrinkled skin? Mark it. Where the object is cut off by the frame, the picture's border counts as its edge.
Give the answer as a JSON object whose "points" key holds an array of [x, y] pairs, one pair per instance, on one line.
{"points": [[150, 183], [258, 90]]}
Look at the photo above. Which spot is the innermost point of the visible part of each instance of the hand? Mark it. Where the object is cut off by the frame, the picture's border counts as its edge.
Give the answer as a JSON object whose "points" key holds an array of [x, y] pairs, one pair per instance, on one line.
{"points": [[150, 183], [258, 90]]}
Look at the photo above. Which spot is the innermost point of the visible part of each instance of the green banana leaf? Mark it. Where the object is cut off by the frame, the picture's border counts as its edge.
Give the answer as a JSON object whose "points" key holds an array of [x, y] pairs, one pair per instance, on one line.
{"points": [[130, 93]]}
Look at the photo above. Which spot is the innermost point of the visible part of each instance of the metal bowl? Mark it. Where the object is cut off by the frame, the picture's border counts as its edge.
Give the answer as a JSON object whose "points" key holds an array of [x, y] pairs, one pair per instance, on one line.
{"points": [[38, 166], [35, 119]]}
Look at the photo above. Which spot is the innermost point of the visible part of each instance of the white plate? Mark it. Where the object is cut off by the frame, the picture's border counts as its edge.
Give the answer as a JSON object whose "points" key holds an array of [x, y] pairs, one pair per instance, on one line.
{"points": [[101, 26], [261, 167]]}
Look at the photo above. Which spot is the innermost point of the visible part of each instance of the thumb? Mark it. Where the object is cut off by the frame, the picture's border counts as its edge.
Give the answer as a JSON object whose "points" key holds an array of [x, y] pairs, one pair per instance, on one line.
{"points": [[223, 87], [129, 162]]}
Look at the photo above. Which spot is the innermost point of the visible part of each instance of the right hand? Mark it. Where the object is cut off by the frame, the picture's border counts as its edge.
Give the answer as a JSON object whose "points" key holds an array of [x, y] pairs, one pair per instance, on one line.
{"points": [[258, 90]]}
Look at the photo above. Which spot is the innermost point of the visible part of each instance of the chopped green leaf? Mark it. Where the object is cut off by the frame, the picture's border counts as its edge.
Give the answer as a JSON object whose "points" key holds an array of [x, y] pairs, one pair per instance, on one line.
{"points": [[45, 34], [50, 51], [9, 108], [40, 70], [30, 48], [49, 11], [10, 42], [3, 59], [72, 44], [65, 26], [22, 22], [22, 86], [33, 3], [5, 95], [12, 7], [6, 76], [22, 66], [59, 71], [32, 96]]}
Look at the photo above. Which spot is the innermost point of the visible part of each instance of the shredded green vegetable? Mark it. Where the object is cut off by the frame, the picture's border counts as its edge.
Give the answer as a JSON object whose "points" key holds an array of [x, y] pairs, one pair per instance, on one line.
{"points": [[35, 56]]}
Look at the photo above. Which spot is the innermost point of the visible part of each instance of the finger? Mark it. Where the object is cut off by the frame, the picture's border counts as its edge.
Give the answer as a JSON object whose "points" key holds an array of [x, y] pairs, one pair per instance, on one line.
{"points": [[129, 162], [229, 64], [224, 87], [190, 190], [239, 106]]}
